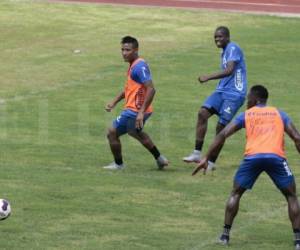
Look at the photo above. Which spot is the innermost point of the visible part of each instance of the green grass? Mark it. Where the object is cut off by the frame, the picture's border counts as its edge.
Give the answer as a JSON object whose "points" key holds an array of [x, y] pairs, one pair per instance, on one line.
{"points": [[53, 125]]}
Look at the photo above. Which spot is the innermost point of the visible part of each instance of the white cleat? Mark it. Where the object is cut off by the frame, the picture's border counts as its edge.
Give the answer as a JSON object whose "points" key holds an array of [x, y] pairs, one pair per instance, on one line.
{"points": [[211, 166], [162, 162], [193, 157], [114, 166]]}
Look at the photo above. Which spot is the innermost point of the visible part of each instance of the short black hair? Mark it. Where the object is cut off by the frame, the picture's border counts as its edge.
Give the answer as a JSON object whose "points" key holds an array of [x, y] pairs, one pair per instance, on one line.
{"points": [[260, 92], [130, 39], [224, 30]]}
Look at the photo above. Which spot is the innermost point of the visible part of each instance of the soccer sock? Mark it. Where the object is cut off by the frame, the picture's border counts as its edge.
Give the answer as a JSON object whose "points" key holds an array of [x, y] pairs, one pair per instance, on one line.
{"points": [[154, 151], [119, 161], [226, 229], [297, 235], [198, 145], [213, 159]]}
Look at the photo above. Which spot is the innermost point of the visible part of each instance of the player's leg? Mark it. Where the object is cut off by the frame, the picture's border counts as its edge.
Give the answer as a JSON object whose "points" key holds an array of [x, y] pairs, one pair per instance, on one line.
{"points": [[147, 142], [215, 155], [294, 212], [232, 205], [293, 206], [203, 115], [119, 127], [201, 128], [138, 134], [231, 210], [209, 108], [230, 106], [116, 149], [283, 178], [244, 179]]}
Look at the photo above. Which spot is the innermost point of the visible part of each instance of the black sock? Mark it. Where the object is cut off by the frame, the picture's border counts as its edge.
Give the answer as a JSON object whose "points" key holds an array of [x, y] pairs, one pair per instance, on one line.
{"points": [[297, 235], [154, 151], [198, 145], [213, 159], [226, 229], [119, 161]]}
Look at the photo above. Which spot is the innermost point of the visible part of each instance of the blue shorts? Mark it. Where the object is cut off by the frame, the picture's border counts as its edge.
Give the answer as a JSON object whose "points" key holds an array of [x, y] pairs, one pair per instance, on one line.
{"points": [[125, 122], [275, 166], [224, 105]]}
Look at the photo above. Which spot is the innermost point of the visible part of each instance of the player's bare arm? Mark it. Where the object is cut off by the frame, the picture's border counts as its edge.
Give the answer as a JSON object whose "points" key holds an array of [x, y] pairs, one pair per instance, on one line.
{"points": [[150, 92], [227, 72], [230, 129], [293, 133], [111, 105]]}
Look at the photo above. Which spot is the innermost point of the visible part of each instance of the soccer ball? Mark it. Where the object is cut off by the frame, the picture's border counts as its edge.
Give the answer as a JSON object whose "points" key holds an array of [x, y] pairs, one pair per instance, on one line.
{"points": [[5, 209]]}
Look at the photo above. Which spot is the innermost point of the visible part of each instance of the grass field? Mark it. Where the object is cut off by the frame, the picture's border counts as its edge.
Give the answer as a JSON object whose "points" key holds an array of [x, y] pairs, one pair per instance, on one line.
{"points": [[53, 126]]}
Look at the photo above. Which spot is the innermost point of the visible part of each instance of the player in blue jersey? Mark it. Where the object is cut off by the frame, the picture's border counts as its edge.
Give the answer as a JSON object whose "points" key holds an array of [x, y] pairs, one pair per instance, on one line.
{"points": [[228, 97], [138, 93]]}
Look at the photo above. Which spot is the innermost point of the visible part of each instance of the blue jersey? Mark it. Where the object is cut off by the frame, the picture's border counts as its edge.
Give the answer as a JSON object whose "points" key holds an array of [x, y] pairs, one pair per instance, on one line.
{"points": [[140, 72], [236, 83]]}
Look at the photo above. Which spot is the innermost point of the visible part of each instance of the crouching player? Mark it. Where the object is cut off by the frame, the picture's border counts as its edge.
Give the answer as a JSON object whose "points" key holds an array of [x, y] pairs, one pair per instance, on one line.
{"points": [[265, 127]]}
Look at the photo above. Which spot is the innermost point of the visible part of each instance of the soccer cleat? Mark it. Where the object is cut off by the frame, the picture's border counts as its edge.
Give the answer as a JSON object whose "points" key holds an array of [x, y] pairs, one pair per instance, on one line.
{"points": [[224, 240], [114, 166], [162, 162], [193, 157], [211, 166], [297, 245]]}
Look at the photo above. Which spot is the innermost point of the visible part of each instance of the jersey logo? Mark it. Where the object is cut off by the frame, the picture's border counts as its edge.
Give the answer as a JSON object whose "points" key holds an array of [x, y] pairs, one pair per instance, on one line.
{"points": [[119, 118], [224, 62], [231, 51], [228, 110], [239, 80], [287, 169]]}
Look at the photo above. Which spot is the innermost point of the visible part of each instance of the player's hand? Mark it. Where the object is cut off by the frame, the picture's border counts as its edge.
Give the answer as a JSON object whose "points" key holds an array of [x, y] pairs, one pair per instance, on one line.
{"points": [[203, 164], [139, 122], [109, 107], [203, 79]]}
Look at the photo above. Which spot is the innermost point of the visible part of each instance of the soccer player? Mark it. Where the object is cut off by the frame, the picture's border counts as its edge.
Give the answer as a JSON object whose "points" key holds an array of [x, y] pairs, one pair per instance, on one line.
{"points": [[228, 97], [138, 94], [264, 152]]}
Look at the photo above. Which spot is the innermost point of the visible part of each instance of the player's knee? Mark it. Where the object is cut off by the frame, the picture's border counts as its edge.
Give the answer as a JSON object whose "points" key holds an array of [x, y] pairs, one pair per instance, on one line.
{"points": [[111, 134], [133, 133], [138, 135], [202, 116], [235, 196], [290, 191], [219, 128], [146, 141], [289, 195], [233, 200], [237, 191]]}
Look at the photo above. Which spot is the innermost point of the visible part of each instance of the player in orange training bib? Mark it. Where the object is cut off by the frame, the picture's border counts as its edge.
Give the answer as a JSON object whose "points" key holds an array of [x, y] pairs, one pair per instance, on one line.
{"points": [[138, 94], [264, 152]]}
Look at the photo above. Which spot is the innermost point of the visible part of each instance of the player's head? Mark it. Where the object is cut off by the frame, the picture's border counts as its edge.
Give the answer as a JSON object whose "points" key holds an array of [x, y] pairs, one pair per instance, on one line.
{"points": [[129, 47], [222, 36], [258, 94]]}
